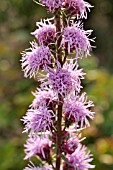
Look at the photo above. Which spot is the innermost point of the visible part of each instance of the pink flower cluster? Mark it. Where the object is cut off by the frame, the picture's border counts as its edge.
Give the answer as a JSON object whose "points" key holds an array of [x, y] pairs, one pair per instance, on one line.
{"points": [[76, 39], [43, 98], [77, 110], [40, 147], [64, 80], [35, 59], [46, 32], [37, 120], [59, 92], [78, 7], [52, 5], [79, 159], [75, 7], [40, 57]]}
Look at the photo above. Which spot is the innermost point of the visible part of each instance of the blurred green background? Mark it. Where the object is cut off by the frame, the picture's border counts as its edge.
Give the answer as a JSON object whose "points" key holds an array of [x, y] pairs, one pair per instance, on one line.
{"points": [[17, 20]]}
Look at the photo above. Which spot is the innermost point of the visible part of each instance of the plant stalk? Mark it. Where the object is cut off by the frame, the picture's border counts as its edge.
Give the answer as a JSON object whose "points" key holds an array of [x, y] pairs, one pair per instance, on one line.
{"points": [[59, 134], [58, 22]]}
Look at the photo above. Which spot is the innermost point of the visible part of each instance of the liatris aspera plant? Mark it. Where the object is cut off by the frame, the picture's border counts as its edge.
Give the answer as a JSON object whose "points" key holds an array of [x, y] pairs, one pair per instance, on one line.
{"points": [[59, 111]]}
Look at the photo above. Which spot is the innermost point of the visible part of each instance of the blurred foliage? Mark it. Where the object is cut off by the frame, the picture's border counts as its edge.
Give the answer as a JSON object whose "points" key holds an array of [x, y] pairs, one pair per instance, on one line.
{"points": [[99, 87], [17, 19], [101, 21]]}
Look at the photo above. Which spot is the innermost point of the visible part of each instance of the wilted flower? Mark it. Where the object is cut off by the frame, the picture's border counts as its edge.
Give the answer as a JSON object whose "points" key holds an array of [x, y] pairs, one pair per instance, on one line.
{"points": [[77, 110], [35, 59], [40, 119], [52, 5], [46, 32], [77, 7], [75, 38], [79, 160], [39, 146]]}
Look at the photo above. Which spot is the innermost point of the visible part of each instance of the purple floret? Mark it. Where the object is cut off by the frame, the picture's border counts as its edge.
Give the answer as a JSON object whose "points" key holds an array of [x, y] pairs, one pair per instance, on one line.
{"points": [[39, 146], [34, 59], [75, 38], [37, 120], [32, 167], [78, 7], [80, 159], [52, 5], [43, 98], [46, 32], [64, 80], [77, 110]]}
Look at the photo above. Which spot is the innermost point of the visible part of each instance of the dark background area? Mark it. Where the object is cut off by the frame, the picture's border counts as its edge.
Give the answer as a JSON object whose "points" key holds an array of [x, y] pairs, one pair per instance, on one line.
{"points": [[17, 20]]}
